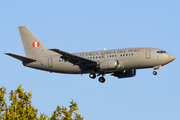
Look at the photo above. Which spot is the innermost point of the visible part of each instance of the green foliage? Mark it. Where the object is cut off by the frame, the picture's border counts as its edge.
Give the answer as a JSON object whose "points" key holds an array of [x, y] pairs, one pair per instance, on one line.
{"points": [[21, 108]]}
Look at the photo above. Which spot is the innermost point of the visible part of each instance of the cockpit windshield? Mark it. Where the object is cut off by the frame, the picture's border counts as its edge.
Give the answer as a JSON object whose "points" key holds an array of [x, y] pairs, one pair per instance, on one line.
{"points": [[161, 51]]}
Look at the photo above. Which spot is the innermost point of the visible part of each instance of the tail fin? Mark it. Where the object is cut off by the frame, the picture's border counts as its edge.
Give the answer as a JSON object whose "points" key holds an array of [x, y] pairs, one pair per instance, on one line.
{"points": [[32, 46]]}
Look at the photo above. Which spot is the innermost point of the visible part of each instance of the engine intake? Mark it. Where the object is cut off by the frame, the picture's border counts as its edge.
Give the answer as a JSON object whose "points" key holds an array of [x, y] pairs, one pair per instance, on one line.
{"points": [[112, 64]]}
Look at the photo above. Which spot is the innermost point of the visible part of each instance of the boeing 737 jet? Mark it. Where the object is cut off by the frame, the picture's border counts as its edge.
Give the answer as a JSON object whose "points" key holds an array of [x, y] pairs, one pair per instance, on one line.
{"points": [[121, 63]]}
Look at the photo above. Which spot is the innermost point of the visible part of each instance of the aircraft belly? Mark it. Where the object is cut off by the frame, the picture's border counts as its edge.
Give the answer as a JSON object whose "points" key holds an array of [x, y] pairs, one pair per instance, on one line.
{"points": [[67, 68]]}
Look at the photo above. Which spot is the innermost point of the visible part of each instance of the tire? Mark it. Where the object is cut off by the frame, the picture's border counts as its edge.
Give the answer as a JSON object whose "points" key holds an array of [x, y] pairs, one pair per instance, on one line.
{"points": [[102, 79], [92, 75], [154, 73]]}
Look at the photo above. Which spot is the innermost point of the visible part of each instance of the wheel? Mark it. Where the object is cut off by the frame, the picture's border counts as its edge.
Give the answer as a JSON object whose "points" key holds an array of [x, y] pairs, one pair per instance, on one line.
{"points": [[154, 73], [102, 79], [92, 75]]}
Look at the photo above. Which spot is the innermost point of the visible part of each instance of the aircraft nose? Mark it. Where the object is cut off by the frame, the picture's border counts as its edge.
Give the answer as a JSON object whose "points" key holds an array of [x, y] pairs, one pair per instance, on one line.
{"points": [[171, 57]]}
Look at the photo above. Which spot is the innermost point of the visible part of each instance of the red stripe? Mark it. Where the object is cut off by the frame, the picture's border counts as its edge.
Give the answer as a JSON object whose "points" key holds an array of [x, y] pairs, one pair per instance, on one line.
{"points": [[37, 44], [33, 44]]}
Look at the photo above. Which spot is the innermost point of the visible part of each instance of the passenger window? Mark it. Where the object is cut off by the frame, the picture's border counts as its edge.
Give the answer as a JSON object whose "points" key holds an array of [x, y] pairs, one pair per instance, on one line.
{"points": [[126, 54], [96, 57], [90, 57], [123, 54], [102, 56], [112, 55], [99, 56], [62, 60], [132, 54], [115, 55], [59, 60], [93, 57]]}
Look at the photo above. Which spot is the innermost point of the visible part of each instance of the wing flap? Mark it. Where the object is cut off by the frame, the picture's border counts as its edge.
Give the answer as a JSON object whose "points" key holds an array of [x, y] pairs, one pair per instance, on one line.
{"points": [[75, 59], [23, 59]]}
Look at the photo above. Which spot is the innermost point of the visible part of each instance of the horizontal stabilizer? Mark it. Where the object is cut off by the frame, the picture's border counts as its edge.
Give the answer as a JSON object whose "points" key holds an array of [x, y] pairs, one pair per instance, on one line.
{"points": [[23, 59]]}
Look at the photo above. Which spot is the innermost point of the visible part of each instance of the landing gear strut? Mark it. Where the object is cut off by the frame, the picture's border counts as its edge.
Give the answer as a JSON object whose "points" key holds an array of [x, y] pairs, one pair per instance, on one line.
{"points": [[154, 73], [92, 75]]}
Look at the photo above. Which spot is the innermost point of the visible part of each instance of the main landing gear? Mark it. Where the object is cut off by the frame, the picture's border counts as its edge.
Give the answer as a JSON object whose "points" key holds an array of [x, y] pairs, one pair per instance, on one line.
{"points": [[93, 76], [101, 79]]}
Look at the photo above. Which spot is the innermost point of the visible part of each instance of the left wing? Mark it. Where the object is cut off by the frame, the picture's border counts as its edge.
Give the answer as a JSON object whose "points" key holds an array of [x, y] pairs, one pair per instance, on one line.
{"points": [[75, 59]]}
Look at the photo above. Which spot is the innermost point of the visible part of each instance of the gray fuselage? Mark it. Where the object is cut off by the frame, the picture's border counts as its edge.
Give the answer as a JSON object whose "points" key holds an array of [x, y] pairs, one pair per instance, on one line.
{"points": [[129, 58]]}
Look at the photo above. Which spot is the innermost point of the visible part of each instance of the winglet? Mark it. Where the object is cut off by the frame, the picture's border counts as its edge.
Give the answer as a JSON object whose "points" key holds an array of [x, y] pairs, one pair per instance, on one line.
{"points": [[23, 59]]}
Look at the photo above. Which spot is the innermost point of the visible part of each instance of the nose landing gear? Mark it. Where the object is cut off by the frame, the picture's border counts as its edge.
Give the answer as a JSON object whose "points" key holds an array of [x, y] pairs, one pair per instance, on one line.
{"points": [[155, 68], [154, 73]]}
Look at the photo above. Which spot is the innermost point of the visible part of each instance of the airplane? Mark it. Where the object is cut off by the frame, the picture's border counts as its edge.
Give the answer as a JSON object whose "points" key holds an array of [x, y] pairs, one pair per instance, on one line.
{"points": [[120, 63]]}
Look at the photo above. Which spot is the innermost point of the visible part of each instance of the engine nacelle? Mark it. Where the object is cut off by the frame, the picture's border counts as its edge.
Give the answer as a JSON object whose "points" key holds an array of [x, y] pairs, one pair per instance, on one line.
{"points": [[125, 74], [112, 64]]}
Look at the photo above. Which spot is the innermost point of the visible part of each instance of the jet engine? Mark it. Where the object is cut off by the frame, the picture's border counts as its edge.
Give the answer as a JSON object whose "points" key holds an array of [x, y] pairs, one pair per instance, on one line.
{"points": [[112, 64], [125, 73]]}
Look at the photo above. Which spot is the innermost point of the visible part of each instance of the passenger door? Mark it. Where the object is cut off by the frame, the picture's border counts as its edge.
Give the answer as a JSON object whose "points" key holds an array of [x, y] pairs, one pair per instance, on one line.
{"points": [[148, 53]]}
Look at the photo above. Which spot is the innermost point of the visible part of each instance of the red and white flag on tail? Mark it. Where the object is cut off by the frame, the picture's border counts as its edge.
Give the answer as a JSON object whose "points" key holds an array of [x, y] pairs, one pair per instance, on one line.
{"points": [[35, 44]]}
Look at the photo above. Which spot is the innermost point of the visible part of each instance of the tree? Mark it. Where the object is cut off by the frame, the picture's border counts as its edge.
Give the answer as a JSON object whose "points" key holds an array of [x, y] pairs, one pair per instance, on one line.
{"points": [[21, 108]]}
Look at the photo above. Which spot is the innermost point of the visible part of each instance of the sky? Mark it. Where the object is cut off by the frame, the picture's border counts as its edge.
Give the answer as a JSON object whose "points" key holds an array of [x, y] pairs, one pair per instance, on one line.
{"points": [[78, 26]]}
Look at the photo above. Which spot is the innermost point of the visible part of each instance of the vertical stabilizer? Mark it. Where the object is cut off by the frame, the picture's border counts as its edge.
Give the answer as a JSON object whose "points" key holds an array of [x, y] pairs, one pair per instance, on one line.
{"points": [[32, 46]]}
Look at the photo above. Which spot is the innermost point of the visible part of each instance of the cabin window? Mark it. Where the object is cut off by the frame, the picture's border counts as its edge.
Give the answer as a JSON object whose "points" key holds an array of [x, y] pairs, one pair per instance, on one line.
{"points": [[132, 54], [90, 57], [121, 55], [99, 56], [59, 60], [112, 55]]}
